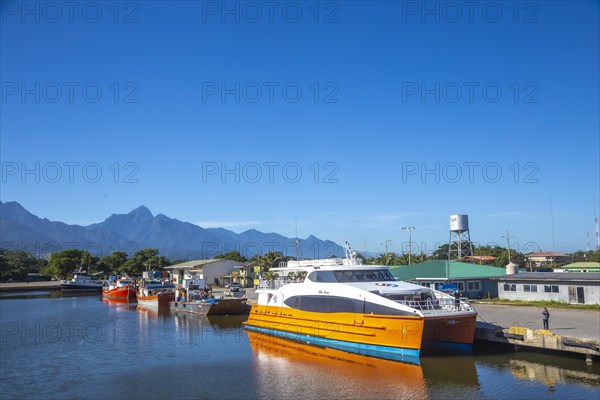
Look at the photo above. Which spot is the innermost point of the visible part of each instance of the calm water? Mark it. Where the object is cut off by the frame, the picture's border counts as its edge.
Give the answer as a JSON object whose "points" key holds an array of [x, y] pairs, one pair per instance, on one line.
{"points": [[87, 348]]}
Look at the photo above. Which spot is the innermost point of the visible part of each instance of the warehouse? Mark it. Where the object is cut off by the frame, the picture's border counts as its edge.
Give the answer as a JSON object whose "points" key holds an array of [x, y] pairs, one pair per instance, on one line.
{"points": [[565, 287]]}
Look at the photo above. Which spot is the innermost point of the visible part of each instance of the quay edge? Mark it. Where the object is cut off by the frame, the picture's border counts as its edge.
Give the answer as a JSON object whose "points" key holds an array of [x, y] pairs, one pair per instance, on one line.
{"points": [[540, 340], [27, 286]]}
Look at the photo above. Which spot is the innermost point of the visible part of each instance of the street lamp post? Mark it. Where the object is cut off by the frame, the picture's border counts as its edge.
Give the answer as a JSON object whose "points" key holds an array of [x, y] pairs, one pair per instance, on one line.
{"points": [[409, 229]]}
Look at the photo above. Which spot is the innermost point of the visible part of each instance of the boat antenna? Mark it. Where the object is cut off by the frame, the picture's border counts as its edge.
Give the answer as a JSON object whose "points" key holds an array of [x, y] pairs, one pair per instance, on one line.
{"points": [[297, 240]]}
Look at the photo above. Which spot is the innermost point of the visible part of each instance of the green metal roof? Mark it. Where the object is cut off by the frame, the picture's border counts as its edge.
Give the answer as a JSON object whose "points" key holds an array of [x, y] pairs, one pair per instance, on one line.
{"points": [[581, 264], [441, 269]]}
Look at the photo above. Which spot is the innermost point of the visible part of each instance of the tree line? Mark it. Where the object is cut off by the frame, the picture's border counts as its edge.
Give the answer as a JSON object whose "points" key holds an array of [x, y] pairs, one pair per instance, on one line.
{"points": [[17, 264]]}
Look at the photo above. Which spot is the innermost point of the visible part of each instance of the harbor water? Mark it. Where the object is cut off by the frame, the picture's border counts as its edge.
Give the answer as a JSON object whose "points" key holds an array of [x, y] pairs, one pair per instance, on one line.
{"points": [[88, 348]]}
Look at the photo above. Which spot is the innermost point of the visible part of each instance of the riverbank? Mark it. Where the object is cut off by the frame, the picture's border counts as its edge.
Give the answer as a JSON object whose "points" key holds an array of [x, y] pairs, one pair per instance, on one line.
{"points": [[24, 286]]}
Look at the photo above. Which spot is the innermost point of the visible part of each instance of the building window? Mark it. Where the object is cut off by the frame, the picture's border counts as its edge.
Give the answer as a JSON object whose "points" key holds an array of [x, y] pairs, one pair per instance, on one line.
{"points": [[426, 284], [473, 285], [530, 288], [510, 287], [551, 288], [460, 285]]}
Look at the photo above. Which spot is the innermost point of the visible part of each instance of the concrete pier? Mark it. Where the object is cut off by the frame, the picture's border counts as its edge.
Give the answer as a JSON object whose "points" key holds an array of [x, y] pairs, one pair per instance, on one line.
{"points": [[26, 286], [572, 331]]}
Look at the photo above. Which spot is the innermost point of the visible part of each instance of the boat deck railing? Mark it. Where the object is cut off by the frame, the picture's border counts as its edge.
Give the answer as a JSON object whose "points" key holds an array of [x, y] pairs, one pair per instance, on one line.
{"points": [[440, 306], [274, 284]]}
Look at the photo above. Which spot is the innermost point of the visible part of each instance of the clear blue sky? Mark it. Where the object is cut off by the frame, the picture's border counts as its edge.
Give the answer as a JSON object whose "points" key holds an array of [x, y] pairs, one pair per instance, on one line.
{"points": [[408, 115]]}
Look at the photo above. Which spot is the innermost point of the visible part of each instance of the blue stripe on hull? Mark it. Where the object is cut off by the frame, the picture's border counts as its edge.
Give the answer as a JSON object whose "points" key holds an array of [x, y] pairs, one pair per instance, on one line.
{"points": [[448, 345], [389, 353]]}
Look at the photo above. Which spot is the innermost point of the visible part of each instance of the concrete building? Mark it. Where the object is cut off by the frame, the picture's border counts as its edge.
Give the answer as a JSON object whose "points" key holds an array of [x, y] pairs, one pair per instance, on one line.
{"points": [[547, 258], [472, 280], [243, 273], [579, 267], [566, 287], [209, 270]]}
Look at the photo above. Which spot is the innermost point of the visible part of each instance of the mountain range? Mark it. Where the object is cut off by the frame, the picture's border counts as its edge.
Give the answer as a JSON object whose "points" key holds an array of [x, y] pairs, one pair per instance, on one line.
{"points": [[139, 229]]}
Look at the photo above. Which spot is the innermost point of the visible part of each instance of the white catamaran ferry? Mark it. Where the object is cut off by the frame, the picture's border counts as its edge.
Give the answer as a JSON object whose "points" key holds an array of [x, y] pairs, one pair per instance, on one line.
{"points": [[343, 304]]}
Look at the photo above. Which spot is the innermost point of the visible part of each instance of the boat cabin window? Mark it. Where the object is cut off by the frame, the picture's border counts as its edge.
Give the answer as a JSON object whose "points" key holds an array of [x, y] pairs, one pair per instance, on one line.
{"points": [[373, 275]]}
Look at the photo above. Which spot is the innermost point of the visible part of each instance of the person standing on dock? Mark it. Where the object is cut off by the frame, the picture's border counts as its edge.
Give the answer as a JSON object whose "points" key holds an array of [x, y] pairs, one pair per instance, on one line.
{"points": [[546, 317], [457, 300]]}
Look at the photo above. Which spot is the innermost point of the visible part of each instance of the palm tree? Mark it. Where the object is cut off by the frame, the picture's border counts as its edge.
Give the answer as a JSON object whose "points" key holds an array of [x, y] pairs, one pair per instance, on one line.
{"points": [[270, 260], [271, 275]]}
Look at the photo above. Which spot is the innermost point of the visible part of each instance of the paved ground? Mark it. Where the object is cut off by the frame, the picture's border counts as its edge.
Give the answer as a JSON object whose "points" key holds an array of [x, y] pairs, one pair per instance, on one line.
{"points": [[583, 324]]}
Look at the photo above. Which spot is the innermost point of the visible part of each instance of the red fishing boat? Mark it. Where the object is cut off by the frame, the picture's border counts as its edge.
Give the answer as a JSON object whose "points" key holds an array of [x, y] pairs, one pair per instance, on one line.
{"points": [[123, 288]]}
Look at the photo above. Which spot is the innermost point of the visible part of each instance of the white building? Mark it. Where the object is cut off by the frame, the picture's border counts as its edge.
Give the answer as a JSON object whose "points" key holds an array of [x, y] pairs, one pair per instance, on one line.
{"points": [[566, 287], [209, 270]]}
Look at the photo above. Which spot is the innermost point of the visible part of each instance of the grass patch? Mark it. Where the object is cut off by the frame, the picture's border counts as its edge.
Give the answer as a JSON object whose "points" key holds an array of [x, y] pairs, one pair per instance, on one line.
{"points": [[539, 303]]}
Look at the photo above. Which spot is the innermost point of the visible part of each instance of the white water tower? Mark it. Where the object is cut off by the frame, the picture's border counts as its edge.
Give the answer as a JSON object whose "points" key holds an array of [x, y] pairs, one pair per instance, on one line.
{"points": [[459, 245]]}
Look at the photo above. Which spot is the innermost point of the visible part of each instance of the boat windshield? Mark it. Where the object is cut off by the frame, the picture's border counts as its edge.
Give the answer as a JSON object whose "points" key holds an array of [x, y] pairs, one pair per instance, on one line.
{"points": [[356, 275]]}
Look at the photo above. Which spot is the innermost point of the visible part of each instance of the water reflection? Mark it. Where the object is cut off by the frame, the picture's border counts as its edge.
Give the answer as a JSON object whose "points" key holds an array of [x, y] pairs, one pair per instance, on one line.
{"points": [[179, 355], [153, 312], [551, 375], [31, 294], [282, 369]]}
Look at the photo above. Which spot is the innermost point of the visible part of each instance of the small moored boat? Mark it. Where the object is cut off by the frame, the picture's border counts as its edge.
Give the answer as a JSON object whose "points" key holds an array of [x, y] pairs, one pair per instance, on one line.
{"points": [[122, 288], [81, 282], [155, 294], [223, 306]]}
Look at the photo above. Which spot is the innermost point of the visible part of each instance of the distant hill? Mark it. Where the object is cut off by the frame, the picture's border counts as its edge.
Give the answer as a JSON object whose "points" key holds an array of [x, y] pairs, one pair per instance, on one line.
{"points": [[138, 229]]}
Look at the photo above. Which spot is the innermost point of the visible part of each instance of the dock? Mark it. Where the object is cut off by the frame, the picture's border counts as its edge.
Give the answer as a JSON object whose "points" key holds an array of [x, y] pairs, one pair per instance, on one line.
{"points": [[28, 286], [571, 331]]}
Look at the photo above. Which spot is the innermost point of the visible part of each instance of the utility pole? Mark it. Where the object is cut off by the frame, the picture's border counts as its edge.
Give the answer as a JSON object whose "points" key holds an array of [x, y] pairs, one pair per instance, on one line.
{"points": [[409, 229], [507, 237], [386, 244]]}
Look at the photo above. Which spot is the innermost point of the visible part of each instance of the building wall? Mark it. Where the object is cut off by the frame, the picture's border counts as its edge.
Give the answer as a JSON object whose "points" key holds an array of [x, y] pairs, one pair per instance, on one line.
{"points": [[218, 269], [591, 291], [485, 286]]}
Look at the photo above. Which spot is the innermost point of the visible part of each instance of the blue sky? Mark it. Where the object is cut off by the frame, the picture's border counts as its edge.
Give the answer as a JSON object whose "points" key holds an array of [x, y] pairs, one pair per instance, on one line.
{"points": [[353, 118]]}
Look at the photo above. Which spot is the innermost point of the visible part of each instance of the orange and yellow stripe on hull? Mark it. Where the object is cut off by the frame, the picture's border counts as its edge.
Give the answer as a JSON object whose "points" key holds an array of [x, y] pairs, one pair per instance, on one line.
{"points": [[365, 333]]}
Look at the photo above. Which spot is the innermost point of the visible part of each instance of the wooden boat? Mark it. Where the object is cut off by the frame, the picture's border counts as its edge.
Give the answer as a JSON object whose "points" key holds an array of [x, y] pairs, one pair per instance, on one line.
{"points": [[156, 294], [223, 306]]}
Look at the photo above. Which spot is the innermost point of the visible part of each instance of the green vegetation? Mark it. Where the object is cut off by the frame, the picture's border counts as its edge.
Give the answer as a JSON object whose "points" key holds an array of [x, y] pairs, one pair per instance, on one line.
{"points": [[269, 260], [16, 264], [499, 252], [232, 255], [582, 256], [538, 303]]}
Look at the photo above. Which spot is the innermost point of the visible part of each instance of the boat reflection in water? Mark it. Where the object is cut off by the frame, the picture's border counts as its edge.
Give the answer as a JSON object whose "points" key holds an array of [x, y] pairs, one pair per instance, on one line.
{"points": [[281, 367], [119, 304], [152, 312]]}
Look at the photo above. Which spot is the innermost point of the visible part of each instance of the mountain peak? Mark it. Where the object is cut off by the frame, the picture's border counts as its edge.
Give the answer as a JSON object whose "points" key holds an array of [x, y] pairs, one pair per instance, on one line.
{"points": [[142, 212]]}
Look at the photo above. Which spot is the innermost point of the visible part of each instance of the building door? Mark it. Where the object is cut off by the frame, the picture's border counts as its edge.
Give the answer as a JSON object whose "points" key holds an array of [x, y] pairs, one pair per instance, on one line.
{"points": [[580, 296], [572, 294]]}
